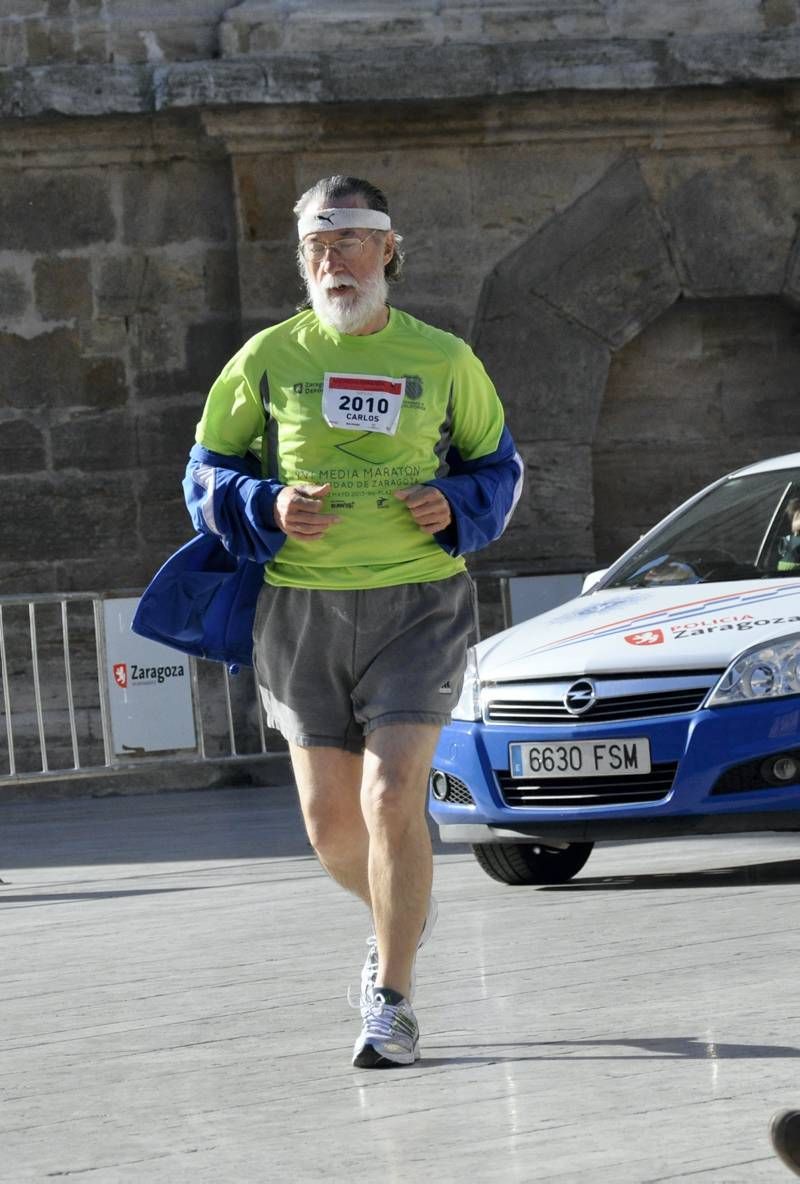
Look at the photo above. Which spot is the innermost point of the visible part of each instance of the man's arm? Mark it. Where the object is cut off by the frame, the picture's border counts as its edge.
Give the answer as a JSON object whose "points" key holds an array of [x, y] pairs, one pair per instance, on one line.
{"points": [[251, 515], [482, 494], [226, 497]]}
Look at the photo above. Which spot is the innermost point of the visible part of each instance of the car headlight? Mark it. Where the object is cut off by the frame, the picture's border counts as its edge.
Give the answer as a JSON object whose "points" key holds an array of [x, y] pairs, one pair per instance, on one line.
{"points": [[469, 701], [767, 671]]}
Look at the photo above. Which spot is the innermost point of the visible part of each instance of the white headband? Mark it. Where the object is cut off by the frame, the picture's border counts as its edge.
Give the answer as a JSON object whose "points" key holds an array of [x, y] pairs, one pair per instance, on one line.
{"points": [[342, 219]]}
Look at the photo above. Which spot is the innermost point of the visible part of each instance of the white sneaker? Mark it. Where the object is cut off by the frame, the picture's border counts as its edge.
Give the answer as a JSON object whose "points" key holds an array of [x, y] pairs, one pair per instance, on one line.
{"points": [[369, 970], [390, 1035]]}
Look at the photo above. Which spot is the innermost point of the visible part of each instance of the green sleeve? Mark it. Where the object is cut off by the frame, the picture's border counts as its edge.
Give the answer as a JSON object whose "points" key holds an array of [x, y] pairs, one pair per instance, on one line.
{"points": [[233, 417], [478, 417]]}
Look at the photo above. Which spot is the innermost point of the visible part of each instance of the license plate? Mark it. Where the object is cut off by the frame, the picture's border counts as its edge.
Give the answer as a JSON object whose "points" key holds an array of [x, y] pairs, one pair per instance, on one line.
{"points": [[580, 758]]}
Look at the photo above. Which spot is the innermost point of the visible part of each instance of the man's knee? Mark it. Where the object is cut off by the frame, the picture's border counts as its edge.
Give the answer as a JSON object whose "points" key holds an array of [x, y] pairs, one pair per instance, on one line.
{"points": [[392, 805]]}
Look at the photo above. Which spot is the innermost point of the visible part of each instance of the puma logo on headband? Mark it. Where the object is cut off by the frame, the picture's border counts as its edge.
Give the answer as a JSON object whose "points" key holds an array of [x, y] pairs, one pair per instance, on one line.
{"points": [[344, 219]]}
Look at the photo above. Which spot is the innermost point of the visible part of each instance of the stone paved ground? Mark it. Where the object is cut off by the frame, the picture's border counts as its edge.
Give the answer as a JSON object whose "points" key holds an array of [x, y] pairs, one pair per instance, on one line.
{"points": [[173, 1008]]}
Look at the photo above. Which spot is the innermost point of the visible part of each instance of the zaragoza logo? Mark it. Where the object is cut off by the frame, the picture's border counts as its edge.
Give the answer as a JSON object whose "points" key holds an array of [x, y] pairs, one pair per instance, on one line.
{"points": [[645, 637], [121, 674]]}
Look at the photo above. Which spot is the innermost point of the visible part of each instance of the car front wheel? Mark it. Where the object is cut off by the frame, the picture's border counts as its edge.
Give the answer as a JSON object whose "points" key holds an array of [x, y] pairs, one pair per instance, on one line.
{"points": [[531, 863]]}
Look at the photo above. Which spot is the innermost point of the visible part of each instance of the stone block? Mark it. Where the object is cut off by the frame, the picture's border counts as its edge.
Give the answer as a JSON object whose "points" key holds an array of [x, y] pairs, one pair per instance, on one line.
{"points": [[177, 202], [424, 186], [22, 446], [92, 441], [70, 516], [604, 260], [209, 345], [269, 279], [63, 290], [15, 297], [522, 186], [27, 576], [552, 527], [104, 337], [13, 51], [41, 371], [265, 196], [163, 523], [44, 210], [118, 284], [94, 48], [164, 435], [175, 360], [450, 317], [49, 42], [636, 485], [633, 18], [549, 372], [221, 281], [157, 342], [731, 221], [104, 383]]}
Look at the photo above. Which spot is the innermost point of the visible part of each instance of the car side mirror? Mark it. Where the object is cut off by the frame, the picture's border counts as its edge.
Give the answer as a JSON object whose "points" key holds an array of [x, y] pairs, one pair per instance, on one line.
{"points": [[594, 577]]}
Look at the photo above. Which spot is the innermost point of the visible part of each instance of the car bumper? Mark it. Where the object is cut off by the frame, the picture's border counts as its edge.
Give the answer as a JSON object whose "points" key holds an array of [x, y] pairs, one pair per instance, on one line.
{"points": [[716, 786]]}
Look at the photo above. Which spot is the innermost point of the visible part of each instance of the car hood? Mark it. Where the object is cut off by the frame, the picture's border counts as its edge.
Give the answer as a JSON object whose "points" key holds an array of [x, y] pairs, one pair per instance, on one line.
{"points": [[624, 630]]}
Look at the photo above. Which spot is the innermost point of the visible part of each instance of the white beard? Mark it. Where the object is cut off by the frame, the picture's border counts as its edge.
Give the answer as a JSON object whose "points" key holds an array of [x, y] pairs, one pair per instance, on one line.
{"points": [[348, 314]]}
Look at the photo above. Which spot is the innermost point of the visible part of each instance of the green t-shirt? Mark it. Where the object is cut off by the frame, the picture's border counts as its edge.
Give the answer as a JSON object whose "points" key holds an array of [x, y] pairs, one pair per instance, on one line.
{"points": [[307, 371]]}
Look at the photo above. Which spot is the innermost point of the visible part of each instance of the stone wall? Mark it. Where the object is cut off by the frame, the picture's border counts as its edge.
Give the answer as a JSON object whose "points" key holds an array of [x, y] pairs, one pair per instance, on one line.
{"points": [[563, 175]]}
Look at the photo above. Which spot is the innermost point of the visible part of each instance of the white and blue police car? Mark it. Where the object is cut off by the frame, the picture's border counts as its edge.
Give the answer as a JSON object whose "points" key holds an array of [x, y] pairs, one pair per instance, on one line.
{"points": [[664, 700]]}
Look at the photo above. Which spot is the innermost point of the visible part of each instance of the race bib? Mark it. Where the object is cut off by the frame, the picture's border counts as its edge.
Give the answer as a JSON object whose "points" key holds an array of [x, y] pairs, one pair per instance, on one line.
{"points": [[363, 402]]}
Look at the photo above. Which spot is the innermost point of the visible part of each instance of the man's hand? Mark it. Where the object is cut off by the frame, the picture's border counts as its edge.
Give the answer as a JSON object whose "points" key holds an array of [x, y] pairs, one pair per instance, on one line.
{"points": [[429, 508], [298, 512]]}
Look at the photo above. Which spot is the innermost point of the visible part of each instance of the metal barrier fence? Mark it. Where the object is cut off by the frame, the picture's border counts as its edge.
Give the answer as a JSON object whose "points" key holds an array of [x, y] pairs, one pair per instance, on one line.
{"points": [[58, 717]]}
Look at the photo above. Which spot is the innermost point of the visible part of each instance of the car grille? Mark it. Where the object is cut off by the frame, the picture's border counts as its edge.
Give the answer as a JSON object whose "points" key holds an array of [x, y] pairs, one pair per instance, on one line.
{"points": [[457, 792], [587, 791], [617, 700]]}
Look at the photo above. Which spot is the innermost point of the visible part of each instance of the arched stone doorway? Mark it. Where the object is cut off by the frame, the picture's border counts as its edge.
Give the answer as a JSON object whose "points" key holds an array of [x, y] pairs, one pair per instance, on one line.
{"points": [[686, 246]]}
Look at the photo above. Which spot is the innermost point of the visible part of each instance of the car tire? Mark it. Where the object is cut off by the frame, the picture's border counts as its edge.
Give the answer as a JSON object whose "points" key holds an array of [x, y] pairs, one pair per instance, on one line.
{"points": [[531, 863]]}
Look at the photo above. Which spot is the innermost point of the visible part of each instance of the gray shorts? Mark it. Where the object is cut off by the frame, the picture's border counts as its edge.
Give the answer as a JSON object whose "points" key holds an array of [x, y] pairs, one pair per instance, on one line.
{"points": [[334, 665]]}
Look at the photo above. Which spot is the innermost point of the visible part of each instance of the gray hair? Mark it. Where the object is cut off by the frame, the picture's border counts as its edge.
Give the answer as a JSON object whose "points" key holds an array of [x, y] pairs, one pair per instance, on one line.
{"points": [[333, 188]]}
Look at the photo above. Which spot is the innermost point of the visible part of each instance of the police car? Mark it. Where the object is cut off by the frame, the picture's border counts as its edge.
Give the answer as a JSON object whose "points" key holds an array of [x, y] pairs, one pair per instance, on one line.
{"points": [[664, 700]]}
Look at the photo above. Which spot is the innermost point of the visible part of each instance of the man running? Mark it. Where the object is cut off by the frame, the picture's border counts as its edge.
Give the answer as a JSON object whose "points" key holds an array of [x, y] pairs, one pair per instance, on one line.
{"points": [[384, 459]]}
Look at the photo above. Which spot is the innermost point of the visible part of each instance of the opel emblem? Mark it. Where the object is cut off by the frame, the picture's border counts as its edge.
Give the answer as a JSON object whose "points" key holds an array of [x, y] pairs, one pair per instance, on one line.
{"points": [[580, 697]]}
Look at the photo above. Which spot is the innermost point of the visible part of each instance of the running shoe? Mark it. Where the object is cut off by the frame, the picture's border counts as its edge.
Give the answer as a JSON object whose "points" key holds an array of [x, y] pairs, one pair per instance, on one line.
{"points": [[369, 970], [390, 1035], [784, 1131]]}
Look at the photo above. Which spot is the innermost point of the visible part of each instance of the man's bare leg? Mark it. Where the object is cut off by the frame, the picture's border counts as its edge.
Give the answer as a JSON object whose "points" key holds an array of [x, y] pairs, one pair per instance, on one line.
{"points": [[329, 785], [397, 761]]}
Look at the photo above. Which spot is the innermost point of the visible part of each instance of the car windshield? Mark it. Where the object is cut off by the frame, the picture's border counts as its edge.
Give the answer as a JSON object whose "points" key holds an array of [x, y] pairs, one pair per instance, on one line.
{"points": [[743, 529]]}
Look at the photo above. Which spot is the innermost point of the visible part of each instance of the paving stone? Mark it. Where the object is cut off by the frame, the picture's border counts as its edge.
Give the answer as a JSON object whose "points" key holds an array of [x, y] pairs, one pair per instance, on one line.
{"points": [[600, 1032]]}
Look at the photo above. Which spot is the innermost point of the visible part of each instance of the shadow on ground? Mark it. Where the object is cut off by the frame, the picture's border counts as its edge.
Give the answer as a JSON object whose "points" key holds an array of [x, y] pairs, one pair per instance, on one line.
{"points": [[781, 871]]}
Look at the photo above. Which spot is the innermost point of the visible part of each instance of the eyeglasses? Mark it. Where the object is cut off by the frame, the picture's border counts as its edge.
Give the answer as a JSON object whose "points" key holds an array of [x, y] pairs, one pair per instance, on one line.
{"points": [[348, 247]]}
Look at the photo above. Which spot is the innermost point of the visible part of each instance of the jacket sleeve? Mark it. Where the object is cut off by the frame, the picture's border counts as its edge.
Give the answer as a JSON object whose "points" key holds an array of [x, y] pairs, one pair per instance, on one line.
{"points": [[226, 497], [482, 493]]}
